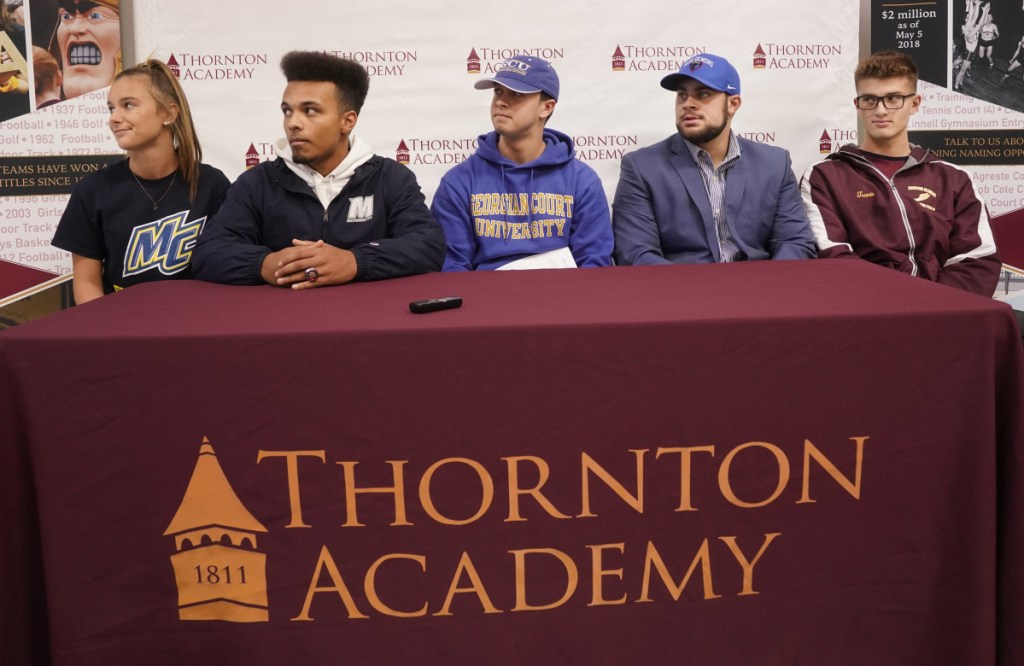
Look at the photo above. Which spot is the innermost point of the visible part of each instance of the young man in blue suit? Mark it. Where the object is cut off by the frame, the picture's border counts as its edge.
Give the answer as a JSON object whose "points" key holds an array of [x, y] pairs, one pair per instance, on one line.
{"points": [[705, 195]]}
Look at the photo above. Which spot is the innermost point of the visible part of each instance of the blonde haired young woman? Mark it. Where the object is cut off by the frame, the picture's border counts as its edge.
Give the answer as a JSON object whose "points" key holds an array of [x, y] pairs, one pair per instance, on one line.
{"points": [[137, 220]]}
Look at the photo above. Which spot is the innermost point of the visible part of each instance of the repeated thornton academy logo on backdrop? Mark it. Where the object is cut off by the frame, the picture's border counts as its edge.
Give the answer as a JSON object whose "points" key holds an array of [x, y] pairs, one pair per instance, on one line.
{"points": [[252, 157], [384, 62], [825, 143], [483, 60], [761, 136], [258, 151], [832, 138], [215, 66], [604, 147], [777, 55], [652, 58], [434, 150]]}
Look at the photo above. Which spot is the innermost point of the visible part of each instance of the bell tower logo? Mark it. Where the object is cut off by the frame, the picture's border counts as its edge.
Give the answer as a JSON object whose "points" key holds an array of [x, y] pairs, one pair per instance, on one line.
{"points": [[252, 157], [472, 62], [618, 60], [219, 572], [402, 153], [172, 64], [760, 58], [825, 143]]}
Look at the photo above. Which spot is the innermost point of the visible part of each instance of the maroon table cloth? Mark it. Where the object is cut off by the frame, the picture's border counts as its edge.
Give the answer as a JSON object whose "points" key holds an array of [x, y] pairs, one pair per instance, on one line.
{"points": [[777, 463]]}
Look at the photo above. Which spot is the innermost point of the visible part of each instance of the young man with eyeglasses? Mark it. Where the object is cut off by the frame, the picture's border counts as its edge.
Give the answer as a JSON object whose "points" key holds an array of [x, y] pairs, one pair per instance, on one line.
{"points": [[705, 195], [894, 203]]}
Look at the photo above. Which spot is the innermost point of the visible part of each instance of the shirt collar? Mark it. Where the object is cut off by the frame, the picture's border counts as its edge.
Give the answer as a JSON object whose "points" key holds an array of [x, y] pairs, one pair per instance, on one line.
{"points": [[731, 154]]}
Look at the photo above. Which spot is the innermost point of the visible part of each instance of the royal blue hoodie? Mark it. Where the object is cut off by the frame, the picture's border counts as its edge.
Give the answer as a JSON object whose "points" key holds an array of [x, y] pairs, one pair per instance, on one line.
{"points": [[494, 211]]}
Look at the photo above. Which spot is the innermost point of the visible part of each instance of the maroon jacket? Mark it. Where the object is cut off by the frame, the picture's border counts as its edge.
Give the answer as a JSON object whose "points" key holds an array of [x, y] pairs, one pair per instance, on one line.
{"points": [[928, 221]]}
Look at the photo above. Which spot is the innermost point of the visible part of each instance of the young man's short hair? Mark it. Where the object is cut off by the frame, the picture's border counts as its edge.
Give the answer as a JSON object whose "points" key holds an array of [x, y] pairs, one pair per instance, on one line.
{"points": [[349, 77], [886, 65]]}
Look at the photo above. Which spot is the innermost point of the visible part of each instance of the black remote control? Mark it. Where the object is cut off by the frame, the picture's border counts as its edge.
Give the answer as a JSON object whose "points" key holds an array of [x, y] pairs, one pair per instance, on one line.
{"points": [[435, 304]]}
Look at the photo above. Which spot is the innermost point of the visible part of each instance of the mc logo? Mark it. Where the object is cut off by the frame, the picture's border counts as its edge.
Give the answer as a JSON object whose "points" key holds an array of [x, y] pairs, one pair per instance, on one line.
{"points": [[164, 244]]}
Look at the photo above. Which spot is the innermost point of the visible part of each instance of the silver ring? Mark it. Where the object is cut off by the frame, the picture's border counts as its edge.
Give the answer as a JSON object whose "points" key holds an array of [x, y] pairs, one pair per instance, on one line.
{"points": [[311, 274]]}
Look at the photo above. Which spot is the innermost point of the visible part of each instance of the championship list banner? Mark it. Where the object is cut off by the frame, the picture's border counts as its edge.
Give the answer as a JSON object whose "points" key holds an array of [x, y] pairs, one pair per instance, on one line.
{"points": [[56, 121], [42, 155]]}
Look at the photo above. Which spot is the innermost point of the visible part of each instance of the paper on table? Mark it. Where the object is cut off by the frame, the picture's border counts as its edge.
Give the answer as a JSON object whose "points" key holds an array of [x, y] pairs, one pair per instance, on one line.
{"points": [[560, 258]]}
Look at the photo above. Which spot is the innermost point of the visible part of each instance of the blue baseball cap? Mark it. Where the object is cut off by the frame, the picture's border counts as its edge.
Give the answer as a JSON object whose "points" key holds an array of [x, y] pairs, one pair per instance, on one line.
{"points": [[523, 74], [713, 71]]}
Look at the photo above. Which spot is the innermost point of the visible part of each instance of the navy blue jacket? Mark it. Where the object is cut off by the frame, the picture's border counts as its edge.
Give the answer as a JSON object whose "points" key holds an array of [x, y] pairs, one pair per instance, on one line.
{"points": [[389, 230]]}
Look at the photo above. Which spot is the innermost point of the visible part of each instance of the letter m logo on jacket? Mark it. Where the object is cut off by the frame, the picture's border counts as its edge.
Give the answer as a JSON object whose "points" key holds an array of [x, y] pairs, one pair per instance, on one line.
{"points": [[360, 209], [164, 244]]}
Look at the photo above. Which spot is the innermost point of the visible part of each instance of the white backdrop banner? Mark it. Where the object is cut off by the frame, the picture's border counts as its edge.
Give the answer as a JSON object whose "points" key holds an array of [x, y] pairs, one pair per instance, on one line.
{"points": [[795, 68]]}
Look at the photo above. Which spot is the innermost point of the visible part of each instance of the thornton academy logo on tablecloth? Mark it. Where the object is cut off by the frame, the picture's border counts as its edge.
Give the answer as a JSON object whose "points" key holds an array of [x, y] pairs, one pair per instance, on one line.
{"points": [[219, 571], [220, 567]]}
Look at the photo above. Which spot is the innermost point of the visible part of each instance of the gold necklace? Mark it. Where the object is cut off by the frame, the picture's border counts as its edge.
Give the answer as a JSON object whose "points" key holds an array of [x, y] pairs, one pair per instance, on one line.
{"points": [[156, 202]]}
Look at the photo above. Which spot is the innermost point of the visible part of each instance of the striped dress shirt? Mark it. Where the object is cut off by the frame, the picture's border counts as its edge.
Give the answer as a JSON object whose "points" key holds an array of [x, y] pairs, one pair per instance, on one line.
{"points": [[714, 183]]}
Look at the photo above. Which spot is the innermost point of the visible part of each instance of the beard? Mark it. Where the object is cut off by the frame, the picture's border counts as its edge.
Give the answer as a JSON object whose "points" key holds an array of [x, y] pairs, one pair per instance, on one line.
{"points": [[710, 133], [702, 136]]}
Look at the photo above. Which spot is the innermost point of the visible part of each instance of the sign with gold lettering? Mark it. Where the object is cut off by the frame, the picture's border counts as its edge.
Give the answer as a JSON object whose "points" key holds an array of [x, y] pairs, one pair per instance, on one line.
{"points": [[220, 574]]}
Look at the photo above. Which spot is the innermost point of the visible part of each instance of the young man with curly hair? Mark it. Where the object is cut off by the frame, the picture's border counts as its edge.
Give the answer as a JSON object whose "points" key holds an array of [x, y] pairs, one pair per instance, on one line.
{"points": [[327, 210]]}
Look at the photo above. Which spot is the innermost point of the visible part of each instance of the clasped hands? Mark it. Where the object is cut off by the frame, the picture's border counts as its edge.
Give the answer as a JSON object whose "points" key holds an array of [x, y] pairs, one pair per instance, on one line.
{"points": [[291, 266]]}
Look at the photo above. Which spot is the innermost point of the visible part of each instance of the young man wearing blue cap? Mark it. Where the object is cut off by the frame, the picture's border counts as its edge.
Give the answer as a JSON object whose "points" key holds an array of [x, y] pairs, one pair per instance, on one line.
{"points": [[705, 195], [523, 193]]}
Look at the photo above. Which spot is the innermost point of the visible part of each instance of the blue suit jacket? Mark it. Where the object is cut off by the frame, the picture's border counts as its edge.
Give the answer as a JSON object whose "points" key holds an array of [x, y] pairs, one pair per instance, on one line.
{"points": [[662, 214]]}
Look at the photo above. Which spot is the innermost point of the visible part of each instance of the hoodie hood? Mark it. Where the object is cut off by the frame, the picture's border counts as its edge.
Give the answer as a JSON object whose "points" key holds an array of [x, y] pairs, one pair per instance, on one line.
{"points": [[495, 211], [558, 150], [329, 186]]}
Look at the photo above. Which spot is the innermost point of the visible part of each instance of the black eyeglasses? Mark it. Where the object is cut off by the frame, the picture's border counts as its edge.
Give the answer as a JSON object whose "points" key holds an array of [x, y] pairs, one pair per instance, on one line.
{"points": [[890, 101]]}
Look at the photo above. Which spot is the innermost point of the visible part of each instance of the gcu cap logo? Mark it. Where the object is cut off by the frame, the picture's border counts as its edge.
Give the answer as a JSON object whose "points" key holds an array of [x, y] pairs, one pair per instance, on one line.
{"points": [[513, 66]]}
